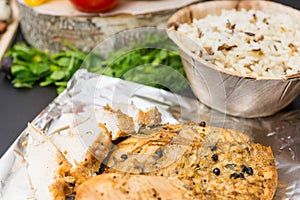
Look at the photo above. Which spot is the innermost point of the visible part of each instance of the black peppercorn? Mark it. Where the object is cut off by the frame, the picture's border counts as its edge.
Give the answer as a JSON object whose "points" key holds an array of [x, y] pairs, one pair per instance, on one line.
{"points": [[234, 176], [249, 171], [70, 196], [202, 124], [72, 184], [244, 168], [124, 156], [247, 149], [159, 153], [215, 157], [216, 171], [213, 148], [241, 175]]}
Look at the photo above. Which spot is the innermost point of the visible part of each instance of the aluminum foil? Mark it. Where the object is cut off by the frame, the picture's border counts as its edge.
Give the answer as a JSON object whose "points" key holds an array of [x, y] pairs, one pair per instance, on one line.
{"points": [[87, 91]]}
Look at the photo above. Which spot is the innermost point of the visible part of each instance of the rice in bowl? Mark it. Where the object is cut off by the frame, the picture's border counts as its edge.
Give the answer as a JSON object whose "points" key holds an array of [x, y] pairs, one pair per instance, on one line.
{"points": [[252, 43], [240, 57]]}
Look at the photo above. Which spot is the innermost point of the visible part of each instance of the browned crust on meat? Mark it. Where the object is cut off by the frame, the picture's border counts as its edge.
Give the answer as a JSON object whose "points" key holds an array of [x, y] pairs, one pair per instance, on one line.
{"points": [[196, 172], [274, 177], [150, 117], [139, 187], [60, 187], [191, 174]]}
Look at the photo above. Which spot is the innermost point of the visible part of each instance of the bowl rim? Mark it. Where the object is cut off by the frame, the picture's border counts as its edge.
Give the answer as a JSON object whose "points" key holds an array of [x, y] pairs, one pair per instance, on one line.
{"points": [[172, 26]]}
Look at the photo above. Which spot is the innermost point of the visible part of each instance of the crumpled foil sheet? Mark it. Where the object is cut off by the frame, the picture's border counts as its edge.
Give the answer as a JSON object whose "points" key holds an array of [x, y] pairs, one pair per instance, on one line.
{"points": [[87, 90]]}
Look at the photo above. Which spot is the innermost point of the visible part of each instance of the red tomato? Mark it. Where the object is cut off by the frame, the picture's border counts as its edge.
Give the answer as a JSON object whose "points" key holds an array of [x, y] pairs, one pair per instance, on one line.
{"points": [[94, 5]]}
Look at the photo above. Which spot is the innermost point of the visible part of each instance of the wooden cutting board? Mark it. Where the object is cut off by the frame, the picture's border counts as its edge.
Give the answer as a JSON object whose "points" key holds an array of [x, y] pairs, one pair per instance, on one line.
{"points": [[8, 36], [46, 26]]}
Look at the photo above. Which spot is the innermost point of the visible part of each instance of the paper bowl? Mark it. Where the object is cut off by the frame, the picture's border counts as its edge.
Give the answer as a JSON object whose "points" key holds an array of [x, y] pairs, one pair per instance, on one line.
{"points": [[224, 90]]}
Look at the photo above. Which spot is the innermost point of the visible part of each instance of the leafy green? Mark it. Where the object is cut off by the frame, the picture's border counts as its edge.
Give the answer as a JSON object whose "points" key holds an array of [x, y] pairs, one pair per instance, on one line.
{"points": [[155, 62], [31, 65], [149, 63]]}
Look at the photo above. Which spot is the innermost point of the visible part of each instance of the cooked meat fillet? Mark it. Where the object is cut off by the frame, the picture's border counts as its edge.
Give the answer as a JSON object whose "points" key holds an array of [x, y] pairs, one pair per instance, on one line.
{"points": [[157, 147], [116, 122], [211, 163], [54, 165], [74, 150], [85, 149], [126, 121], [149, 117], [244, 170], [93, 158], [151, 149], [57, 164], [113, 186], [46, 167]]}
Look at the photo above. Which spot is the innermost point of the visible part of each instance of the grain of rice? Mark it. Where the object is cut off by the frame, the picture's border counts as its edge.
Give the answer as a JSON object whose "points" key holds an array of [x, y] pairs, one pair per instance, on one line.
{"points": [[252, 43]]}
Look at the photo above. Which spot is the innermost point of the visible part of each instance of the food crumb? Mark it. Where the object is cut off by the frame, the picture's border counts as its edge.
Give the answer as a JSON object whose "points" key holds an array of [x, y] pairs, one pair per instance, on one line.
{"points": [[25, 143]]}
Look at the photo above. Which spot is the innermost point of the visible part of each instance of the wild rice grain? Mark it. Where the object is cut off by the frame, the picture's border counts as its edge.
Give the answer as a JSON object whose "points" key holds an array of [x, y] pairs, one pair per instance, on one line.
{"points": [[253, 43]]}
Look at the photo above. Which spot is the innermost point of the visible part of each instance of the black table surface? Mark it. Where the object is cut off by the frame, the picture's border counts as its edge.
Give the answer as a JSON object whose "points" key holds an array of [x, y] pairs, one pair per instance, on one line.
{"points": [[20, 106]]}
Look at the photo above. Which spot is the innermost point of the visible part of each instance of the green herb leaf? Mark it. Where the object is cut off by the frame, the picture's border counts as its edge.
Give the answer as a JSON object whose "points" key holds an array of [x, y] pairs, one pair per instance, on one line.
{"points": [[57, 75], [15, 69], [39, 68], [60, 89], [31, 65]]}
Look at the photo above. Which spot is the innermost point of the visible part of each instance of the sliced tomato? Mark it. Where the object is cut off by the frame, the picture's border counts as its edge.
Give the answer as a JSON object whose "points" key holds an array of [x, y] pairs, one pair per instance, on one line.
{"points": [[94, 5]]}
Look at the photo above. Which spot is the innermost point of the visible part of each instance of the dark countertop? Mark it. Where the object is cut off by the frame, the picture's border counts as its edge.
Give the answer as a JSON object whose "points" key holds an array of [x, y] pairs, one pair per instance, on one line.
{"points": [[20, 106]]}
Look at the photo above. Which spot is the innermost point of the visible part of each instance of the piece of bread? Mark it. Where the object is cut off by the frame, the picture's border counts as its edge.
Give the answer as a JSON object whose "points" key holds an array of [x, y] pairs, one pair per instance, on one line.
{"points": [[210, 163]]}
